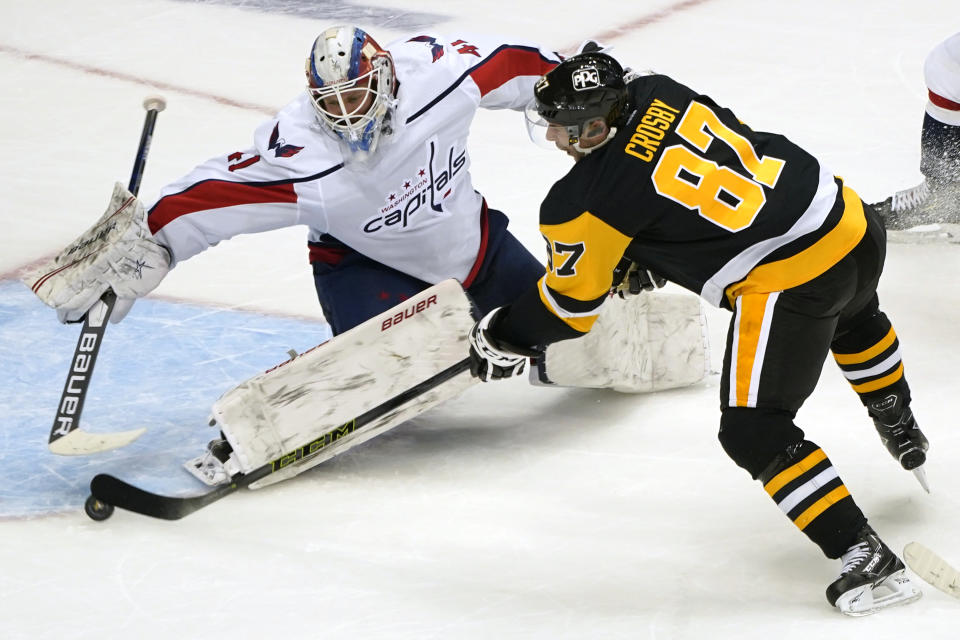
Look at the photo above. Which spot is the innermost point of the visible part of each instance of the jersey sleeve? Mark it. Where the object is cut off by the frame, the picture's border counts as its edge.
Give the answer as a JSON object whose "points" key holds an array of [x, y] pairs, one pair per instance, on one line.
{"points": [[495, 72], [582, 252], [505, 78], [249, 191]]}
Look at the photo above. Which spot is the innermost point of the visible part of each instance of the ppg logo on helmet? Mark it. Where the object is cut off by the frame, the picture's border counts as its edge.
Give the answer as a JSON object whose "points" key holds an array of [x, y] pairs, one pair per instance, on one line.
{"points": [[585, 78]]}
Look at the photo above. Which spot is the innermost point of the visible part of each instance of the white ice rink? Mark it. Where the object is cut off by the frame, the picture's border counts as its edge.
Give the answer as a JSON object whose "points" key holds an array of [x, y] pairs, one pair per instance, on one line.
{"points": [[512, 512]]}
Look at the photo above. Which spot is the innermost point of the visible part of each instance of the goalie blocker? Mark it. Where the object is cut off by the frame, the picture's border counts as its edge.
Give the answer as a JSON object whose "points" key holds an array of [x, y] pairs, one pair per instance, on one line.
{"points": [[302, 412]]}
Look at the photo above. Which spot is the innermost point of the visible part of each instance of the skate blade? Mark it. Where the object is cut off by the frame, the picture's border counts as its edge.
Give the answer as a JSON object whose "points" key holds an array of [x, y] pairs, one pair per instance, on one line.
{"points": [[921, 476], [932, 568], [866, 600], [936, 233]]}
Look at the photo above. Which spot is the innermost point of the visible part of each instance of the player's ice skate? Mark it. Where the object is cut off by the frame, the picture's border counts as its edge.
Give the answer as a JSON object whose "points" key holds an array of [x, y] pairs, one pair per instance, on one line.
{"points": [[900, 434], [923, 213], [872, 578]]}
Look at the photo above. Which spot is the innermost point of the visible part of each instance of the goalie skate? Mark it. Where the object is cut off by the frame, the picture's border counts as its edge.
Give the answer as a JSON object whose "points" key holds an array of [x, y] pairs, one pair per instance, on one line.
{"points": [[872, 578], [215, 467]]}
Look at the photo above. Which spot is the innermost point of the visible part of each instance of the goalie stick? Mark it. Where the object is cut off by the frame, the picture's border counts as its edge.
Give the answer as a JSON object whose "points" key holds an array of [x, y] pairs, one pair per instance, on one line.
{"points": [[107, 491], [66, 436]]}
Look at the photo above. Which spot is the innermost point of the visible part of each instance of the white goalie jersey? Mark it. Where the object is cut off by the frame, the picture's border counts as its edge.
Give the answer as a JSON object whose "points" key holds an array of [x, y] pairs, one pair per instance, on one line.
{"points": [[410, 206]]}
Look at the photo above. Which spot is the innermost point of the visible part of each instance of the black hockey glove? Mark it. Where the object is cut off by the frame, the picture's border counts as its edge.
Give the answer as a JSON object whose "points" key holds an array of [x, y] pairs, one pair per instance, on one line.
{"points": [[491, 358], [630, 279]]}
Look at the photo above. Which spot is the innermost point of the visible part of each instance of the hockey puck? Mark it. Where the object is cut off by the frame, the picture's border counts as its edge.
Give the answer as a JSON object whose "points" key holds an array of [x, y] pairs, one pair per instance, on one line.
{"points": [[97, 510]]}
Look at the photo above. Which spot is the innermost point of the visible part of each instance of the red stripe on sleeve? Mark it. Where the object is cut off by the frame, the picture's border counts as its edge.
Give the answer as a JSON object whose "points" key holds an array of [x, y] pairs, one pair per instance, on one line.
{"points": [[943, 103], [216, 194], [506, 64]]}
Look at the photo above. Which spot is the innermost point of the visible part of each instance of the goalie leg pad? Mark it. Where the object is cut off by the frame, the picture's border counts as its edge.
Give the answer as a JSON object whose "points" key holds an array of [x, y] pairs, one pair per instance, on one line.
{"points": [[314, 397], [341, 438], [643, 343]]}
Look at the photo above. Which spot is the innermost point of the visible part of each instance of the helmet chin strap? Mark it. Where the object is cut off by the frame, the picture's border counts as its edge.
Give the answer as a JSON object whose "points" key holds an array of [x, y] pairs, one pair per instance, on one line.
{"points": [[576, 145]]}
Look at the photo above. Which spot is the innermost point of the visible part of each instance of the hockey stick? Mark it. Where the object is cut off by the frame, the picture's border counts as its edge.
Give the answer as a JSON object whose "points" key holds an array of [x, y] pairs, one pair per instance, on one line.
{"points": [[932, 568], [108, 491], [66, 436]]}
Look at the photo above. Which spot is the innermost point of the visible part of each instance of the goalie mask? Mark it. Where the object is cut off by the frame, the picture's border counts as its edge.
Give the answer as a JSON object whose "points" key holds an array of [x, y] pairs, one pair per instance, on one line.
{"points": [[352, 86], [578, 94]]}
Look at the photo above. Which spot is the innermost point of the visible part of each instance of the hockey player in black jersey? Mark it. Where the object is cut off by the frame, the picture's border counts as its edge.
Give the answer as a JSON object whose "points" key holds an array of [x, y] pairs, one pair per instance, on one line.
{"points": [[667, 179]]}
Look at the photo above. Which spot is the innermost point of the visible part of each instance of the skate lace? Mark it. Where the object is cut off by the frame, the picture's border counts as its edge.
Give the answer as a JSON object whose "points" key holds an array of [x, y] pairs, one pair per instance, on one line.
{"points": [[910, 198], [853, 556]]}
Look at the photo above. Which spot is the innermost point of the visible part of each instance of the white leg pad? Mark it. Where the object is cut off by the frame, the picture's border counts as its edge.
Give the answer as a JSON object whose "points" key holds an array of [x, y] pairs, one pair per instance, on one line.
{"points": [[314, 397], [649, 342], [449, 389]]}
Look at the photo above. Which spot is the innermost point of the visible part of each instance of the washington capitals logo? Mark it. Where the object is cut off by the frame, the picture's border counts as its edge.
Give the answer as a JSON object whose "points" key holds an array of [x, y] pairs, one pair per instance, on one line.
{"points": [[435, 49], [281, 149]]}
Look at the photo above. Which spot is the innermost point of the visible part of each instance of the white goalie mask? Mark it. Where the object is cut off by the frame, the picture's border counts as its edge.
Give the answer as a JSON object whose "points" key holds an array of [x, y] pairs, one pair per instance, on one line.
{"points": [[352, 86]]}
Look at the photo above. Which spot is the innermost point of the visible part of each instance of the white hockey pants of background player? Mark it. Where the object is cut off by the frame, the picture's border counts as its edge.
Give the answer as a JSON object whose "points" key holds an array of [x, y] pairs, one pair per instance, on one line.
{"points": [[305, 411], [940, 138]]}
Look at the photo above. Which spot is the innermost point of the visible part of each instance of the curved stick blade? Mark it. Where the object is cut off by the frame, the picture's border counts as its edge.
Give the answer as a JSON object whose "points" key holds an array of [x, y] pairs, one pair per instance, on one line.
{"points": [[80, 443], [932, 568]]}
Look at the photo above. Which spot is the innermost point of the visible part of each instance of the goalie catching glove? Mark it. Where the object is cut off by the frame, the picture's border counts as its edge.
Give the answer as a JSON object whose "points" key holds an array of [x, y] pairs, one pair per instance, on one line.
{"points": [[492, 359], [118, 253], [630, 279]]}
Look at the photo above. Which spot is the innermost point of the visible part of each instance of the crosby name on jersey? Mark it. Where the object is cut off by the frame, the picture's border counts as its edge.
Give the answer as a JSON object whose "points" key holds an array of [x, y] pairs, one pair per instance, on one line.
{"points": [[416, 185]]}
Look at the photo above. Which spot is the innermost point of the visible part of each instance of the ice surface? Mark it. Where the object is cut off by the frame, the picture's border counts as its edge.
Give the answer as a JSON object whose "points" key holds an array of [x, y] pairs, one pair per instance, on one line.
{"points": [[512, 512]]}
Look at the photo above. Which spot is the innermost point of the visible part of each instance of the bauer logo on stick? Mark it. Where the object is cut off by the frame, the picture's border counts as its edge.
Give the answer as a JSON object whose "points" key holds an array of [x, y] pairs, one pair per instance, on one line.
{"points": [[585, 78]]}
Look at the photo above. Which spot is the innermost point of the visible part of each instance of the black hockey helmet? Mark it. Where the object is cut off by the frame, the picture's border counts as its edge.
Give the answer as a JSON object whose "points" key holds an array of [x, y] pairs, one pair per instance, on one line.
{"points": [[581, 88], [578, 91]]}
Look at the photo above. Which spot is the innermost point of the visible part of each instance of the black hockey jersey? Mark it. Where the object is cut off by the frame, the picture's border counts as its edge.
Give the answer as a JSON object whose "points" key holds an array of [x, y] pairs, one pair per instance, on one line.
{"points": [[690, 192]]}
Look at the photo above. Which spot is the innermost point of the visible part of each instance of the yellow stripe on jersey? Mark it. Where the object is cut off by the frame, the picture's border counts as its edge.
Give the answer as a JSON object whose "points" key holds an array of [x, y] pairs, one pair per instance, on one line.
{"points": [[872, 352], [820, 506], [879, 383], [793, 472], [751, 314], [812, 261], [582, 255]]}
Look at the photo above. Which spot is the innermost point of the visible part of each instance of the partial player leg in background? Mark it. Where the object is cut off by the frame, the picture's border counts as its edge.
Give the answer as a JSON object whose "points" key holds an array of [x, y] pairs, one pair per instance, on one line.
{"points": [[936, 200]]}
